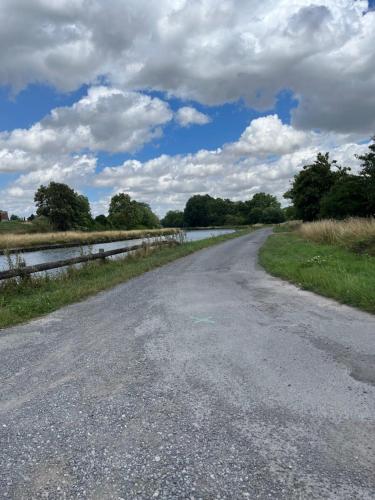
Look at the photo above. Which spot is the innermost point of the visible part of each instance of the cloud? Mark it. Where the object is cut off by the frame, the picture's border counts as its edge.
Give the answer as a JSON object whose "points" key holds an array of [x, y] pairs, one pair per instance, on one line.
{"points": [[75, 171], [237, 170], [187, 115], [264, 158], [106, 119], [207, 51], [268, 136]]}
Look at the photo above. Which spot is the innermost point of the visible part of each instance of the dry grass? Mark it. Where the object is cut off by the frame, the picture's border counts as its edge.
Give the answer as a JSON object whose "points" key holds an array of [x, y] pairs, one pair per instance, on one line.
{"points": [[355, 233], [39, 239]]}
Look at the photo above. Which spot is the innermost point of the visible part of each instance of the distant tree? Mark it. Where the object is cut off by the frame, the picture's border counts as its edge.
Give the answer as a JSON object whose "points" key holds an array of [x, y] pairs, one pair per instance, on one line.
{"points": [[368, 173], [198, 210], [234, 220], [272, 215], [102, 222], [346, 198], [311, 184], [64, 208], [255, 208], [31, 218], [147, 217], [255, 215], [290, 213], [14, 217], [264, 200], [173, 218], [125, 213], [204, 210]]}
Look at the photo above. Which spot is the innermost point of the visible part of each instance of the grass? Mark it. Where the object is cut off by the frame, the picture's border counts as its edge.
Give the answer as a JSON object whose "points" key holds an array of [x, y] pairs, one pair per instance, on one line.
{"points": [[15, 227], [327, 269], [10, 240], [354, 234], [39, 296]]}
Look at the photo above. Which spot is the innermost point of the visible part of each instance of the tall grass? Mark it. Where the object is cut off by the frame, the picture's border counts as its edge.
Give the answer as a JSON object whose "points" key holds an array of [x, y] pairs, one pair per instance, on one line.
{"points": [[355, 234], [54, 238]]}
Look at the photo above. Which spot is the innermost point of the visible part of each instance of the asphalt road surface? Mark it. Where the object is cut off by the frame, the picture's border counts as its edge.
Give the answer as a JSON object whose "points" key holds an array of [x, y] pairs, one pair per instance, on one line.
{"points": [[204, 379]]}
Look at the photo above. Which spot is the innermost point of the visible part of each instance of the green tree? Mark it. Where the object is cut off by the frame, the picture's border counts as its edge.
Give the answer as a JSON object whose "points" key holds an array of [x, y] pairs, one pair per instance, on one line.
{"points": [[272, 215], [255, 208], [14, 217], [173, 218], [63, 207], [264, 200], [147, 217], [125, 213], [311, 184], [102, 222], [346, 198], [368, 173], [290, 213], [255, 215], [197, 211]]}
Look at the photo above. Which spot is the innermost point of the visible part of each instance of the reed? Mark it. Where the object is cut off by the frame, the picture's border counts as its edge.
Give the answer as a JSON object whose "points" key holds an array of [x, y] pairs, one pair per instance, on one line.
{"points": [[8, 241], [355, 233]]}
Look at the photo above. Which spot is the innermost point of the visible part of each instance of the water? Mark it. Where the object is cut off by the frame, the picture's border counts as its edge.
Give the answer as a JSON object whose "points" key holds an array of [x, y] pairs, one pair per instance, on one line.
{"points": [[42, 256]]}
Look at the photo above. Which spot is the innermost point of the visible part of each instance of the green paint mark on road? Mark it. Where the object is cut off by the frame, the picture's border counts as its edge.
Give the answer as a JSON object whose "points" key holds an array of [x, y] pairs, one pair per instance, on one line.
{"points": [[207, 320]]}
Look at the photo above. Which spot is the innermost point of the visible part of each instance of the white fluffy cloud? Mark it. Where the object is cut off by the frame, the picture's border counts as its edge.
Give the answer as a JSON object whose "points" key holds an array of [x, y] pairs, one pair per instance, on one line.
{"points": [[106, 119], [209, 51], [237, 170], [268, 136], [75, 170], [264, 158], [187, 115]]}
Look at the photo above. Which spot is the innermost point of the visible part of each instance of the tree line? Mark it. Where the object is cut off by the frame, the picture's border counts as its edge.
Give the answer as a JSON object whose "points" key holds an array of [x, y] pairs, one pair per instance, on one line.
{"points": [[326, 189], [322, 189], [204, 211], [64, 209]]}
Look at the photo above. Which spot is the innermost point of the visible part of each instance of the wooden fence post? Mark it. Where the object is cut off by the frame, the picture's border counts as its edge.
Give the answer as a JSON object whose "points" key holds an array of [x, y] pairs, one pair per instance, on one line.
{"points": [[101, 253]]}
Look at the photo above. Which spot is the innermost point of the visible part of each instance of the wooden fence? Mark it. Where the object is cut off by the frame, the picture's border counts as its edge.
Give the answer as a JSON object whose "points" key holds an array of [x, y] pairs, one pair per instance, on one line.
{"points": [[25, 271]]}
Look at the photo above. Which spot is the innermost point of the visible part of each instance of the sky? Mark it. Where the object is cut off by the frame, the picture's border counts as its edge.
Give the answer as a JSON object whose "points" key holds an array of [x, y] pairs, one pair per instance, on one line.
{"points": [[164, 100]]}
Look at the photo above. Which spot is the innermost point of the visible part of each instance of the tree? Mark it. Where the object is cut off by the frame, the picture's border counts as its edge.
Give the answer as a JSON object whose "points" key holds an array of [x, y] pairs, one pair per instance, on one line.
{"points": [[346, 198], [203, 210], [147, 217], [64, 208], [368, 173], [255, 215], [256, 209], [264, 200], [290, 213], [197, 211], [272, 215], [311, 184], [14, 217], [125, 213], [173, 218], [102, 222]]}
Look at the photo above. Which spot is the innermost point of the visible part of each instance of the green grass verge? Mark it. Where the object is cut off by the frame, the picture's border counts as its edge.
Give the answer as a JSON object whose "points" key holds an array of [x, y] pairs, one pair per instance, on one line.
{"points": [[325, 269], [20, 303]]}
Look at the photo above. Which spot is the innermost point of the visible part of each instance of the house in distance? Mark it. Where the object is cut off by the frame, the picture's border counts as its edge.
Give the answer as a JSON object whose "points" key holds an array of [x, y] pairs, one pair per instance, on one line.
{"points": [[4, 216]]}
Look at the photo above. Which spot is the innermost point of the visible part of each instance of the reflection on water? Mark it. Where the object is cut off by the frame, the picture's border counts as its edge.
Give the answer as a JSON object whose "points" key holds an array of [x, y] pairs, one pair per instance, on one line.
{"points": [[41, 256]]}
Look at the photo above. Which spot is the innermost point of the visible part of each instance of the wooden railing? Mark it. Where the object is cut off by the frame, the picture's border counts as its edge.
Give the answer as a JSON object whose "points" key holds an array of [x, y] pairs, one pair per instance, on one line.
{"points": [[24, 271]]}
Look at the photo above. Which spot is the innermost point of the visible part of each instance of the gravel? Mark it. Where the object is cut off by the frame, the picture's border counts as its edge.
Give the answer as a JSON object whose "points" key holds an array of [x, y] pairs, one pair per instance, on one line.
{"points": [[204, 379]]}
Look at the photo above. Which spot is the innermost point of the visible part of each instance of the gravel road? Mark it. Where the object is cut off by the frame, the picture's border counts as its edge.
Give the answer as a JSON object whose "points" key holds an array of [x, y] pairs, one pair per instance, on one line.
{"points": [[204, 379]]}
